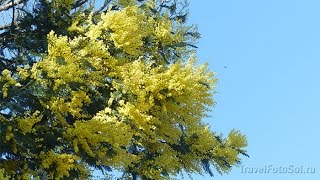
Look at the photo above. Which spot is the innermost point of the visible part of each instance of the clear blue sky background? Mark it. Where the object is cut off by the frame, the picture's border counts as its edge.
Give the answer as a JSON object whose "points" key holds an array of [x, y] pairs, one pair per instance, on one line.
{"points": [[270, 89]]}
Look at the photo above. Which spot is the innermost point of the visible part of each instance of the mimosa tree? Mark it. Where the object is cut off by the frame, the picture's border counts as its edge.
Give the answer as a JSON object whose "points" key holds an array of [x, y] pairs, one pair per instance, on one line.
{"points": [[119, 90]]}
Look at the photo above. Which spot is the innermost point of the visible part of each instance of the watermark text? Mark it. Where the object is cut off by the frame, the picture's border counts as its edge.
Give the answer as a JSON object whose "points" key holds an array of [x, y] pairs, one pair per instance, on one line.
{"points": [[274, 169]]}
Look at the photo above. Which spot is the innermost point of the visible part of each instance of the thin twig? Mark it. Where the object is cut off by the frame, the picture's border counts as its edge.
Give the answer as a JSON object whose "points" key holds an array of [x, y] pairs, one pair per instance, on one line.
{"points": [[105, 4]]}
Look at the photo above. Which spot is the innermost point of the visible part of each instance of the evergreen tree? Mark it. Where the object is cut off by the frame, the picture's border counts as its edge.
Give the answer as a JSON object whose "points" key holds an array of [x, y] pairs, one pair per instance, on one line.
{"points": [[110, 88]]}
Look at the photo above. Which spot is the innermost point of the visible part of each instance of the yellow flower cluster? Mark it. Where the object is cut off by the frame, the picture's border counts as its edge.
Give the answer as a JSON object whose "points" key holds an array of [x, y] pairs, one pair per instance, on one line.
{"points": [[205, 140], [3, 176], [62, 163], [236, 139], [167, 159], [23, 72], [128, 27], [26, 124], [164, 31], [158, 95], [62, 65], [65, 66], [104, 128], [9, 134], [71, 105], [7, 81]]}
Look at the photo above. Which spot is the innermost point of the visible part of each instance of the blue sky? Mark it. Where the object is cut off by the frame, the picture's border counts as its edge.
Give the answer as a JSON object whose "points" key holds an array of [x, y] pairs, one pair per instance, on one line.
{"points": [[270, 89]]}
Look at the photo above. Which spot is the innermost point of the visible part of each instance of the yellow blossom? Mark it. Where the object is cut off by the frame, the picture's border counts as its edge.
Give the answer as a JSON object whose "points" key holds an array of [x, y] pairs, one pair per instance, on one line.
{"points": [[3, 176], [26, 124], [62, 163], [128, 27]]}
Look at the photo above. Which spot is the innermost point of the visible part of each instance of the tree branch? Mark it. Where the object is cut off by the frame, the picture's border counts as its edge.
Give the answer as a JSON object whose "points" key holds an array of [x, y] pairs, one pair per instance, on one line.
{"points": [[13, 14], [79, 3], [10, 5], [105, 4]]}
